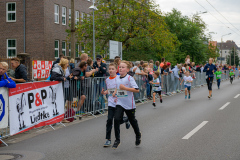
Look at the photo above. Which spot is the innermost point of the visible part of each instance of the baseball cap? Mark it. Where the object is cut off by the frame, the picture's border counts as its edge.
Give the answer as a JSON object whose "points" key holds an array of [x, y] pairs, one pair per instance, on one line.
{"points": [[168, 63], [99, 56]]}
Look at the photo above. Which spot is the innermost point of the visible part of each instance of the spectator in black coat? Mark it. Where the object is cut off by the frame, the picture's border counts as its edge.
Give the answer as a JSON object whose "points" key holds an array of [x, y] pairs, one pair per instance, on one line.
{"points": [[102, 67], [20, 71]]}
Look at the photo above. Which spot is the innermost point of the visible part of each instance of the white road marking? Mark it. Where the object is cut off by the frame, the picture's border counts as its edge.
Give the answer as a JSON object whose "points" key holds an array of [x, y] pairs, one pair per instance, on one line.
{"points": [[224, 106], [190, 134], [237, 96]]}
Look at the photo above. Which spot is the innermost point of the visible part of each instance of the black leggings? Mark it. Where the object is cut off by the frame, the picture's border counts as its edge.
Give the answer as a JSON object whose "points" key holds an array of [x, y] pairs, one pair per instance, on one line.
{"points": [[131, 117], [209, 83]]}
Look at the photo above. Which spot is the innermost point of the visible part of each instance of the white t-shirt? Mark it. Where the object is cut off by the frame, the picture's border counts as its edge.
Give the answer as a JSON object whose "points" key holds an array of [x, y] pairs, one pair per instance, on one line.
{"points": [[189, 78], [137, 71], [111, 86], [127, 102], [156, 87]]}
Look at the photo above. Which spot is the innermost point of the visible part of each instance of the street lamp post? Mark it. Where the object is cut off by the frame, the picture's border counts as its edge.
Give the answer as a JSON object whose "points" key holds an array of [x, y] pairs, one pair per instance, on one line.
{"points": [[221, 44], [94, 8]]}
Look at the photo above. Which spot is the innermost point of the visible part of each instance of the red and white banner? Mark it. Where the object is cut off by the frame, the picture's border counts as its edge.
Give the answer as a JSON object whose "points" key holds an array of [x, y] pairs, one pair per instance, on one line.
{"points": [[41, 69], [33, 105]]}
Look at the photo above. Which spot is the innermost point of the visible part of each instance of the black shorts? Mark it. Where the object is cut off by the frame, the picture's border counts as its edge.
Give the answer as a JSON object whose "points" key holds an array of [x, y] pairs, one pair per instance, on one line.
{"points": [[158, 92]]}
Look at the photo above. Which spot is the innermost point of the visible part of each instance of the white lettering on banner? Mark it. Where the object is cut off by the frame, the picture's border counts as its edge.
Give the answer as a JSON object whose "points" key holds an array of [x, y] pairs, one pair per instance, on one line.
{"points": [[39, 105], [3, 107]]}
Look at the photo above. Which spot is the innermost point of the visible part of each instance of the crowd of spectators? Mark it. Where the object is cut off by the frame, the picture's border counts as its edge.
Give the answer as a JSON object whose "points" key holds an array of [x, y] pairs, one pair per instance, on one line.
{"points": [[77, 77]]}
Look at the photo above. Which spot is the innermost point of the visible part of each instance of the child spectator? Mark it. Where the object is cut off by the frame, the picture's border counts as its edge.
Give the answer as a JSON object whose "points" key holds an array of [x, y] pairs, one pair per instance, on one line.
{"points": [[5, 81]]}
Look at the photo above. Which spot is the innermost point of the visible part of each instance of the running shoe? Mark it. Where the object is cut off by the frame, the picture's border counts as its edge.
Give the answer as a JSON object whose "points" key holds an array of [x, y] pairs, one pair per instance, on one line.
{"points": [[154, 105], [209, 97], [138, 140], [107, 144], [116, 144], [185, 97], [161, 100], [189, 96], [127, 125]]}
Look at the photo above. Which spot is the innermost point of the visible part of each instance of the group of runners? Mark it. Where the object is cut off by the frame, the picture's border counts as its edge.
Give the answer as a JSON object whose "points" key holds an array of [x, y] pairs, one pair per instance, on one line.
{"points": [[120, 89]]}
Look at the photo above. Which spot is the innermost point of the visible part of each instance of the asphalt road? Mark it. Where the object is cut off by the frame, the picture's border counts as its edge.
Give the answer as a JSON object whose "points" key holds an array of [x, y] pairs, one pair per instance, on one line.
{"points": [[177, 129]]}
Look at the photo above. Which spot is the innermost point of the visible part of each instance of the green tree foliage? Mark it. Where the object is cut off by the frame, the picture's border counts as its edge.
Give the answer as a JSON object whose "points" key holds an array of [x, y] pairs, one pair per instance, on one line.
{"points": [[190, 34], [232, 58], [137, 24]]}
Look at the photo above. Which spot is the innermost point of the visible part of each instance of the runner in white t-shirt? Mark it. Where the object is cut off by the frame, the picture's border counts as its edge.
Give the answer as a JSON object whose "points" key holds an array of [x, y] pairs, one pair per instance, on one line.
{"points": [[156, 87], [111, 86], [126, 85], [187, 84]]}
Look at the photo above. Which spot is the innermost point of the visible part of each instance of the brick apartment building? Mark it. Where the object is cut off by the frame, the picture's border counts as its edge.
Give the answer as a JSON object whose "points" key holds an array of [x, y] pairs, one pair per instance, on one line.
{"points": [[43, 23]]}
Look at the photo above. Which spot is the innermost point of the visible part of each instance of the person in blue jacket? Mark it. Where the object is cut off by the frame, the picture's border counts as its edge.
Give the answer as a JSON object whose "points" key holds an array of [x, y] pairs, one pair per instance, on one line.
{"points": [[5, 81], [209, 69]]}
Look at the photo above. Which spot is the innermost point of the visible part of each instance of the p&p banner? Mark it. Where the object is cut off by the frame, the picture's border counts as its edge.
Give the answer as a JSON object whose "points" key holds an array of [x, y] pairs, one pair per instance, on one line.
{"points": [[3, 107], [34, 105]]}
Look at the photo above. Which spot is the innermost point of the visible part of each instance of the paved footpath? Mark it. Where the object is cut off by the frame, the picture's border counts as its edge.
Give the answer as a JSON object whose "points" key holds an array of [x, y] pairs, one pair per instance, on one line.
{"points": [[177, 129]]}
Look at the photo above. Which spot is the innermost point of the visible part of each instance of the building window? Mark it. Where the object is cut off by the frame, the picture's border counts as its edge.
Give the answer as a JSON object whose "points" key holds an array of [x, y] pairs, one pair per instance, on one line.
{"points": [[76, 17], [56, 14], [64, 13], [11, 12], [83, 47], [69, 15], [69, 49], [56, 48], [64, 48], [77, 50], [11, 48], [82, 16]]}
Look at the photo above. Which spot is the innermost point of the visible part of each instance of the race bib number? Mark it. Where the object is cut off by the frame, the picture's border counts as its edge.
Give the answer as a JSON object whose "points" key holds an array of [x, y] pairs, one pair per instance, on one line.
{"points": [[121, 93], [219, 76], [111, 91], [232, 76], [155, 88]]}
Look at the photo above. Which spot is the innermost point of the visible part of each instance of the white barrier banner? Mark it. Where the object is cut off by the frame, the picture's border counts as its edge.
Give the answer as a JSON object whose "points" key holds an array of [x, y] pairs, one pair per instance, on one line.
{"points": [[34, 105], [3, 107]]}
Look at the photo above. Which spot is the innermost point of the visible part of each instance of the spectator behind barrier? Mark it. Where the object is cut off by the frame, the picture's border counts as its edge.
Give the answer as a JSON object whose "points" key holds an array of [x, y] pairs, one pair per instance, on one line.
{"points": [[5, 81], [20, 71], [102, 67], [58, 70], [79, 75], [61, 56], [71, 64]]}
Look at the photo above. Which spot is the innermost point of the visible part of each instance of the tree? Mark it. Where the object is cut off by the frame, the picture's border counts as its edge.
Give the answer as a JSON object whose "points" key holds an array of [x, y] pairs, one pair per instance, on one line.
{"points": [[190, 34], [137, 24], [231, 52]]}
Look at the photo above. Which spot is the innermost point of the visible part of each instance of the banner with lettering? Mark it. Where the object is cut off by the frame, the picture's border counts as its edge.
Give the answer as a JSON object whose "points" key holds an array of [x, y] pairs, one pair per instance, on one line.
{"points": [[3, 107], [34, 105]]}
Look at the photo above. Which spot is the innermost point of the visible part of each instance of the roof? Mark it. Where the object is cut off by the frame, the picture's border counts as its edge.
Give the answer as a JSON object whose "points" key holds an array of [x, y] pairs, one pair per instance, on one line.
{"points": [[228, 45]]}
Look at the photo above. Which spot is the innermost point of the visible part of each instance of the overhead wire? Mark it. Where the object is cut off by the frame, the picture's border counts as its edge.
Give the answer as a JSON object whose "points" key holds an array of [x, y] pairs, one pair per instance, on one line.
{"points": [[216, 18], [221, 15]]}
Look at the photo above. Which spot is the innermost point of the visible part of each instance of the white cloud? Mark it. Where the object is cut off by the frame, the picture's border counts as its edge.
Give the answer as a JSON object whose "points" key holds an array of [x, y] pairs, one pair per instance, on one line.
{"points": [[229, 9]]}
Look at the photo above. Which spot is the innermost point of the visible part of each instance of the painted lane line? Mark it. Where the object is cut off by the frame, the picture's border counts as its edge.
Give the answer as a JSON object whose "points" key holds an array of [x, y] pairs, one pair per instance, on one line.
{"points": [[237, 96], [190, 134], [224, 106]]}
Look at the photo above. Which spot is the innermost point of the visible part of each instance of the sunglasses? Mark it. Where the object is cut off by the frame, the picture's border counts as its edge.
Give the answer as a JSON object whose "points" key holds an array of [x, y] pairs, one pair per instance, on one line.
{"points": [[98, 59]]}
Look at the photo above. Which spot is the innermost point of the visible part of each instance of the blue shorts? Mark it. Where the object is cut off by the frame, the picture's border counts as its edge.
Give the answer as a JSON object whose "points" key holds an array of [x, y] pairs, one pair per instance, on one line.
{"points": [[188, 87]]}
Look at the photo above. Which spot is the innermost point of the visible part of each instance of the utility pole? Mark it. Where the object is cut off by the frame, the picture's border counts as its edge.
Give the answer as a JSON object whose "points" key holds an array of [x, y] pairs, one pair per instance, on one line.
{"points": [[234, 54], [72, 30]]}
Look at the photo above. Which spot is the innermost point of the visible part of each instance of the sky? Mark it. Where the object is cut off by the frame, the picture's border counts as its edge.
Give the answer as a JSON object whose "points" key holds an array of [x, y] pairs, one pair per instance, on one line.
{"points": [[230, 9]]}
